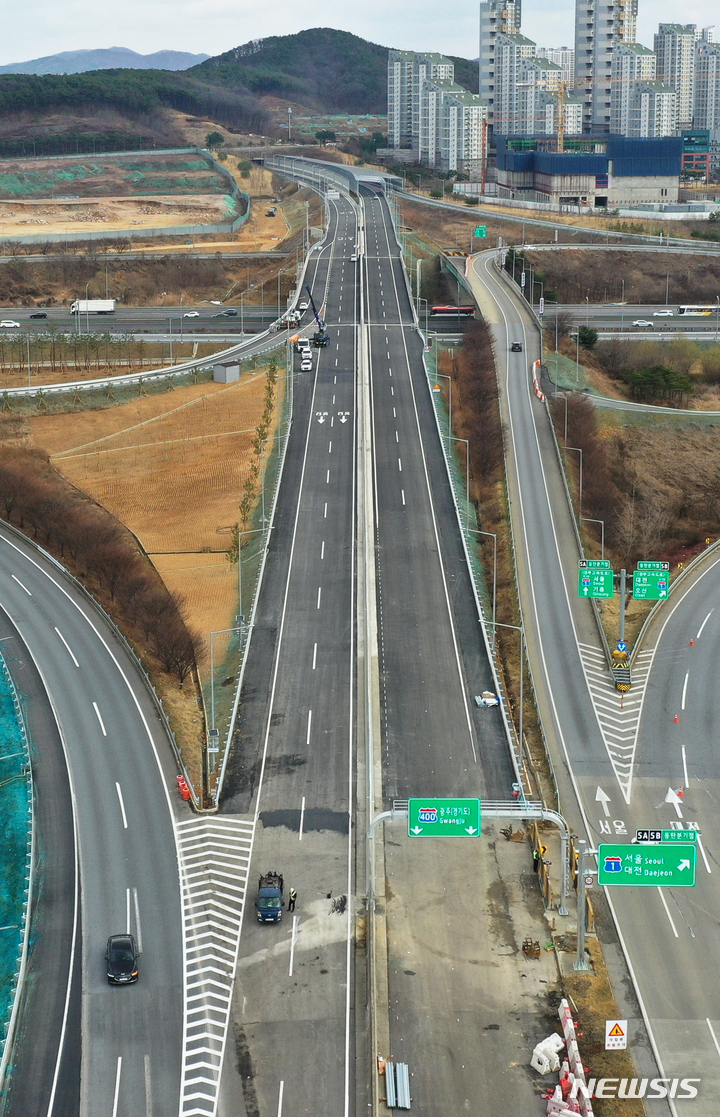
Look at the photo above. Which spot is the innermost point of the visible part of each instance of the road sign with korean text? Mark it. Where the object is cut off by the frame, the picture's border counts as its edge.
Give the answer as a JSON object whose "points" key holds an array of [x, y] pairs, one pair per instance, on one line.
{"points": [[443, 818], [662, 864], [596, 578], [651, 581]]}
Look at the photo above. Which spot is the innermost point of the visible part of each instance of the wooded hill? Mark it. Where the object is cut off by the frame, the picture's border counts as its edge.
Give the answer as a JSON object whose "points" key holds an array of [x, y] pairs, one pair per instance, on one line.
{"points": [[328, 71]]}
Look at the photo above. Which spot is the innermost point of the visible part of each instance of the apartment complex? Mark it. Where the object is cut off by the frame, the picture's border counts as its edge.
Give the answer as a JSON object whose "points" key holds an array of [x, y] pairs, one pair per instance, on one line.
{"points": [[432, 119], [564, 57], [497, 17], [631, 63], [706, 98], [675, 52], [600, 25]]}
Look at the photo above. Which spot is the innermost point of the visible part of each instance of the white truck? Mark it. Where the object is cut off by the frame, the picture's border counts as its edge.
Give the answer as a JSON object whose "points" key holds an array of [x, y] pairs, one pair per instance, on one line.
{"points": [[93, 306]]}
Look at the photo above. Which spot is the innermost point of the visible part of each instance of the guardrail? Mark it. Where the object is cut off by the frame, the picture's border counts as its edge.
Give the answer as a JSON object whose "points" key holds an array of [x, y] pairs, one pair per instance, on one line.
{"points": [[10, 1025]]}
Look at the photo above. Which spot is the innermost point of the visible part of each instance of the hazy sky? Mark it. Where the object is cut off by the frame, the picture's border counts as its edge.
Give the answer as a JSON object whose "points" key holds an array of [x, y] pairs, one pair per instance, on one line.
{"points": [[211, 26]]}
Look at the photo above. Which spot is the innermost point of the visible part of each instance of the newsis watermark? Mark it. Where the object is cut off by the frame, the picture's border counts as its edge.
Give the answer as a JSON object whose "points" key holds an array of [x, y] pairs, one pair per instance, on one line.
{"points": [[651, 1088]]}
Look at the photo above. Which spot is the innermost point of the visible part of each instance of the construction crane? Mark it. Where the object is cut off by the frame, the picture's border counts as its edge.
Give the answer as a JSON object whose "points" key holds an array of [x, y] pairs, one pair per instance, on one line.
{"points": [[560, 110], [321, 336]]}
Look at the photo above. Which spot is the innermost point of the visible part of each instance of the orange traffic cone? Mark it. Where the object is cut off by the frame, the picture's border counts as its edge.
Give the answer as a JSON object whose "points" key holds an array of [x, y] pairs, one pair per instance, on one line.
{"points": [[676, 718], [692, 642], [680, 793]]}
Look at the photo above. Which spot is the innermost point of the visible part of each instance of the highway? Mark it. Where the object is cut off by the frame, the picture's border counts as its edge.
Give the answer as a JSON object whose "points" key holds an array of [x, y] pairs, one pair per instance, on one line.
{"points": [[633, 757], [119, 768], [292, 772], [182, 320]]}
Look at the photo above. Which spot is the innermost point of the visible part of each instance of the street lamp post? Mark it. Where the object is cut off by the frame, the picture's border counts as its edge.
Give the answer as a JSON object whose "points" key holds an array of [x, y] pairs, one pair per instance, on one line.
{"points": [[591, 520], [622, 307], [449, 380], [252, 531], [493, 536], [467, 477], [579, 451], [87, 310]]}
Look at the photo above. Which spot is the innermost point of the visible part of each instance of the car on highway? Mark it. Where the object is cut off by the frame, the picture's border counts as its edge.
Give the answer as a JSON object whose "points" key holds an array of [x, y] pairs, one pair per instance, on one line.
{"points": [[191, 314], [226, 314], [121, 955], [8, 325], [306, 364], [303, 305], [663, 313], [516, 347], [643, 324], [39, 314]]}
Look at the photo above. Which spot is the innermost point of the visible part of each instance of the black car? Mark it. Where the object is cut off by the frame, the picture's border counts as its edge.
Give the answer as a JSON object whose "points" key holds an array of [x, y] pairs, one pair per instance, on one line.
{"points": [[121, 956], [516, 347], [226, 314], [39, 314]]}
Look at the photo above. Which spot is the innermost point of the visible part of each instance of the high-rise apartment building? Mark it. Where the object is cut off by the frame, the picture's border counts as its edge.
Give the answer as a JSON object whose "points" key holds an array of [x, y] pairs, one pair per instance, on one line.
{"points": [[706, 101], [675, 51], [631, 63], [652, 110], [511, 51], [431, 116], [564, 57], [599, 26], [497, 17]]}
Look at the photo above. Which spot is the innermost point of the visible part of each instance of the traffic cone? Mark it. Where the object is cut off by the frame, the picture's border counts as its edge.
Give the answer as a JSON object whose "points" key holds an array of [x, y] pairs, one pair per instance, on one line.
{"points": [[692, 643], [676, 718], [680, 793]]}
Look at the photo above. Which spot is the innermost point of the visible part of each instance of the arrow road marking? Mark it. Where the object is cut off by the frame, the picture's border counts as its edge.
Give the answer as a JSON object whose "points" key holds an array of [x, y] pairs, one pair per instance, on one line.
{"points": [[343, 416], [603, 797], [672, 797], [321, 416]]}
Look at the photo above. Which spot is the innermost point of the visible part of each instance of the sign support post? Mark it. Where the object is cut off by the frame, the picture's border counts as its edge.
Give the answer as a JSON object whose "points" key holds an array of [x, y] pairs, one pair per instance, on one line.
{"points": [[581, 962]]}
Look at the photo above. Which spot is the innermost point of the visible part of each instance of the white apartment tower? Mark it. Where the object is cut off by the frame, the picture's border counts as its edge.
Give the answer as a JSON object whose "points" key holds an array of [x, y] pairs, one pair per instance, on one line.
{"points": [[706, 101], [675, 52], [599, 26], [564, 57], [652, 110], [631, 63], [511, 51], [497, 17], [400, 76]]}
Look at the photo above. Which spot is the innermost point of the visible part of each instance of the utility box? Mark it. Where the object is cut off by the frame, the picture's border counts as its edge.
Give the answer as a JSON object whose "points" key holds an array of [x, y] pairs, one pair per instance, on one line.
{"points": [[226, 373]]}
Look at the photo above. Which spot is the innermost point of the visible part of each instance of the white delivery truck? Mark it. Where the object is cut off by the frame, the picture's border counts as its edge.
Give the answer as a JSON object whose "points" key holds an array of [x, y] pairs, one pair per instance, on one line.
{"points": [[93, 306]]}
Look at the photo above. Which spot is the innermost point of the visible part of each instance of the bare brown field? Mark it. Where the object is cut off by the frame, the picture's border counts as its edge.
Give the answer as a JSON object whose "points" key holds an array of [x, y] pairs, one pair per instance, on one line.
{"points": [[172, 469], [41, 215]]}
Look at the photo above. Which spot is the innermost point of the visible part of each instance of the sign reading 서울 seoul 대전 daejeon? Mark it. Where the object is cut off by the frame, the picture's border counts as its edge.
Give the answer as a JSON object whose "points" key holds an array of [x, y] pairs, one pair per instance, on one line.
{"points": [[443, 818], [668, 864], [595, 578]]}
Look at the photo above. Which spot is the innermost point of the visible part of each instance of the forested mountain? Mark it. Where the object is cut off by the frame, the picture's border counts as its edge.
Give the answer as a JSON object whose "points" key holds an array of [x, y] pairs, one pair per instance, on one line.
{"points": [[111, 58]]}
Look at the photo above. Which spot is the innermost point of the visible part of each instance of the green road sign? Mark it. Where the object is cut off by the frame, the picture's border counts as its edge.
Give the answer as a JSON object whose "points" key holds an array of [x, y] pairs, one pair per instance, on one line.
{"points": [[595, 578], [651, 585], [481, 230], [666, 835], [664, 864], [444, 818]]}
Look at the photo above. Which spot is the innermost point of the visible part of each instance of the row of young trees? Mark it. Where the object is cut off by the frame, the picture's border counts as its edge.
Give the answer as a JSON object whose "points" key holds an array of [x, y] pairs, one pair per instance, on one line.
{"points": [[476, 403], [101, 552], [250, 488]]}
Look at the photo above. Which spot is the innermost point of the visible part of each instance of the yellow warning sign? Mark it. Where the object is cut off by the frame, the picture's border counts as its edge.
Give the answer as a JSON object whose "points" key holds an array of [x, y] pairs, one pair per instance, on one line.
{"points": [[615, 1035]]}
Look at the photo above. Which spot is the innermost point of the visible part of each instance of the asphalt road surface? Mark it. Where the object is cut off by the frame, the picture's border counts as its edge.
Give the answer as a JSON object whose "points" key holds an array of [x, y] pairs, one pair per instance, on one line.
{"points": [[292, 768], [621, 763], [119, 765]]}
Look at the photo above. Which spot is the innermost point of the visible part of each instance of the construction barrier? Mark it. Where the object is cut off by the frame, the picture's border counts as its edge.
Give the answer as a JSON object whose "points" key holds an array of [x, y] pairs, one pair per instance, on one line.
{"points": [[536, 383], [543, 866]]}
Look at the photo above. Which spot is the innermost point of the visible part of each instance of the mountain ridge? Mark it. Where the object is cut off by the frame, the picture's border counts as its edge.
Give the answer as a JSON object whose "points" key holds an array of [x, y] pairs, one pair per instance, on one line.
{"points": [[105, 58]]}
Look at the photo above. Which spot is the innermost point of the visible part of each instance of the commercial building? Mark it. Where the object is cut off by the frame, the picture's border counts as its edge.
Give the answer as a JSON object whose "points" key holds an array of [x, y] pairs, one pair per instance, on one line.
{"points": [[564, 57], [631, 63], [611, 171], [497, 17], [600, 25], [675, 53], [696, 154]]}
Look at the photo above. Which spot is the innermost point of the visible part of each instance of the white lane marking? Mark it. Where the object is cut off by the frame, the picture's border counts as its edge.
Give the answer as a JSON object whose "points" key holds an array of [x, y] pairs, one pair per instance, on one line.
{"points": [[22, 587], [332, 423], [117, 1087], [307, 738], [148, 1089], [335, 377], [330, 448], [400, 464], [704, 623], [392, 390], [667, 912], [280, 1097], [67, 647], [99, 717], [396, 437], [402, 493], [319, 593], [314, 656], [322, 551], [122, 804], [687, 781], [325, 513], [292, 944], [327, 478], [138, 929], [394, 414], [704, 855], [682, 703], [127, 911], [302, 815], [712, 1033], [389, 372]]}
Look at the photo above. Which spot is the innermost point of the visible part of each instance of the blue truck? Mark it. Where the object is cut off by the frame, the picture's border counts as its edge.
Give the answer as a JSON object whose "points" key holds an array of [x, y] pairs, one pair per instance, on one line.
{"points": [[270, 901]]}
